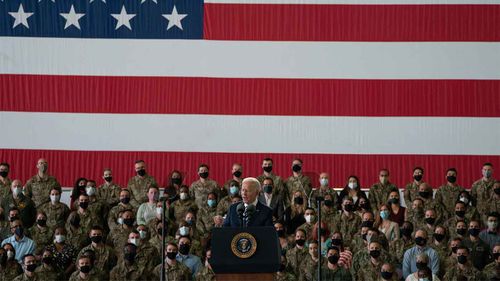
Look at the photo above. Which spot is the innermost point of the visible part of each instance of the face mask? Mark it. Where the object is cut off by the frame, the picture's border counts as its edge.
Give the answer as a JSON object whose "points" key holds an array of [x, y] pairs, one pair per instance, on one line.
{"points": [[384, 215], [383, 180], [368, 224], [364, 236], [497, 191], [85, 269], [353, 185], [96, 239], [462, 259], [333, 259], [474, 231], [460, 214], [234, 190], [323, 182], [281, 233], [267, 169], [421, 241], [300, 242], [438, 237], [296, 168], [171, 255], [421, 265], [337, 242], [424, 194], [268, 189], [41, 222], [60, 238], [84, 205], [142, 234], [364, 205], [487, 174], [14, 218], [184, 249], [451, 179], [190, 221], [406, 232], [461, 231], [211, 203], [47, 260], [430, 220], [19, 231], [90, 191], [108, 179], [120, 221], [55, 198], [203, 175], [417, 177], [298, 200], [130, 257], [386, 275], [135, 241], [375, 253], [496, 255], [10, 255], [16, 191], [128, 222], [328, 203], [454, 249], [184, 231], [184, 196], [176, 181], [237, 174], [125, 200], [31, 267], [141, 172], [4, 174], [492, 224], [309, 218], [394, 201], [159, 211], [349, 207]]}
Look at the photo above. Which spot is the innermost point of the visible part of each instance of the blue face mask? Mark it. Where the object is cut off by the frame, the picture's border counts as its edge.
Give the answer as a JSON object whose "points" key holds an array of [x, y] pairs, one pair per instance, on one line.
{"points": [[234, 190], [212, 202], [384, 214]]}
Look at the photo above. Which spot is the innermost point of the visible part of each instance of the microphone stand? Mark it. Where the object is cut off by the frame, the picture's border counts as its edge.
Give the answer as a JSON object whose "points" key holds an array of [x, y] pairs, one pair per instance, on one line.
{"points": [[318, 207], [163, 276]]}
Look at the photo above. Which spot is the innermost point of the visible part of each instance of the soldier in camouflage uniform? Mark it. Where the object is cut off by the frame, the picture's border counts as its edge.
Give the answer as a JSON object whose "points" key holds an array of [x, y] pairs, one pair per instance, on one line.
{"points": [[57, 212], [425, 193], [174, 270], [39, 186], [482, 188], [347, 223], [87, 218], [40, 233], [284, 273], [310, 216], [367, 267], [85, 270], [109, 192], [323, 190], [463, 268], [493, 203], [309, 265], [116, 211], [297, 254], [9, 267], [225, 203], [399, 246], [411, 189], [29, 266], [379, 192], [26, 207], [179, 208], [105, 258], [415, 213], [118, 237], [206, 273], [200, 189], [493, 269], [206, 215], [5, 182], [298, 181], [279, 186], [98, 209], [46, 270], [127, 268], [147, 256], [329, 212], [236, 171], [139, 184], [447, 194]]}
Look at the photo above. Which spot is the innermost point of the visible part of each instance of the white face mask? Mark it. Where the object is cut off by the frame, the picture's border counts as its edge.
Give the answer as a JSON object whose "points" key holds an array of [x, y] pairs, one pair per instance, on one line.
{"points": [[353, 185], [184, 196], [492, 224], [17, 190], [134, 241], [10, 254], [309, 218], [323, 182], [60, 238], [142, 234], [120, 221], [159, 211], [90, 190], [55, 198], [183, 231]]}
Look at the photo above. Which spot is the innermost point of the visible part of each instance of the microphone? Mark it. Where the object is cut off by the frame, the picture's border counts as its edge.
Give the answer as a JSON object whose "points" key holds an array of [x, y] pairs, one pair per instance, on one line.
{"points": [[240, 209], [249, 211]]}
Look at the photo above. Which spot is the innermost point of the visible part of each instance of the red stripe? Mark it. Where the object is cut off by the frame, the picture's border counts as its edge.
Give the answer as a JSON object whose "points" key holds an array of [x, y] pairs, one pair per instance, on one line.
{"points": [[307, 97], [282, 22], [67, 166]]}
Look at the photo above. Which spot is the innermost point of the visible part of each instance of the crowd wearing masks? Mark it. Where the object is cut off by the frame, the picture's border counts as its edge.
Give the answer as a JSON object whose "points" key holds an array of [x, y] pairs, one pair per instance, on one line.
{"points": [[113, 232]]}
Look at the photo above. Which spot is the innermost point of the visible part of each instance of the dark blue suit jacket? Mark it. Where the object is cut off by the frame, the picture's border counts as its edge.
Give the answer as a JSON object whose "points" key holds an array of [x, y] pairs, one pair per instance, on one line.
{"points": [[263, 216]]}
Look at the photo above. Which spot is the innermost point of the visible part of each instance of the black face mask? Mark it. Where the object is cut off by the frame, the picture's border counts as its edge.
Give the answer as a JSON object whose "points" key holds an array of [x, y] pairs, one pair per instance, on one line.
{"points": [[19, 231], [268, 189], [438, 237], [171, 255], [328, 203], [386, 275], [406, 231], [421, 265], [4, 174], [418, 177], [421, 241], [125, 200], [474, 231], [203, 175], [430, 221], [394, 201], [128, 222], [108, 179], [130, 257], [375, 253], [367, 224], [451, 179], [85, 269], [460, 214], [496, 255], [96, 239], [237, 174], [281, 233], [462, 259], [424, 194], [454, 249], [267, 169], [298, 200], [333, 259], [31, 267], [337, 242], [363, 236], [365, 205], [296, 168], [141, 172], [497, 191], [41, 223], [184, 249], [13, 218], [300, 242], [47, 260], [176, 181], [349, 208], [84, 205]]}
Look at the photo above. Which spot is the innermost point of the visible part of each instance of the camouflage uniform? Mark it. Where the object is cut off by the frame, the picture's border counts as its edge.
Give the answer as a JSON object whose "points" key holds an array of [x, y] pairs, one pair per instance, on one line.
{"points": [[42, 238], [114, 214], [347, 226], [308, 228], [360, 261], [308, 269], [329, 216], [284, 276], [398, 248], [479, 252], [224, 205], [470, 272], [199, 191], [447, 196], [76, 237], [105, 258], [23, 277], [38, 189], [295, 257], [205, 221], [431, 204], [129, 272], [56, 214], [322, 192], [178, 272], [93, 276], [5, 188], [151, 225], [98, 210], [482, 191], [118, 237], [442, 252], [338, 274], [87, 220], [180, 207], [148, 256], [205, 274], [279, 186], [379, 194], [493, 205], [156, 241], [109, 194], [26, 206], [138, 187], [12, 270], [300, 183], [491, 270], [410, 193], [47, 273]]}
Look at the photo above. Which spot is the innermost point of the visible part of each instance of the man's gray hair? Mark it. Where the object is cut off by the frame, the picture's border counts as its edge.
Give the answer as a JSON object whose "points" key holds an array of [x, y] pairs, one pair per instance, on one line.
{"points": [[253, 181]]}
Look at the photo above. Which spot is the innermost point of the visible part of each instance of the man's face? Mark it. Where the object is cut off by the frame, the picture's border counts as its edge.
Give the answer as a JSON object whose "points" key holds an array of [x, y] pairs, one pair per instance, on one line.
{"points": [[235, 168], [42, 165], [95, 232], [171, 249], [184, 241], [299, 235], [496, 250], [313, 249], [4, 168], [473, 224], [139, 166], [417, 172], [124, 194], [248, 192], [107, 173], [16, 184], [267, 163], [29, 260], [462, 252], [451, 173], [83, 262], [83, 199], [383, 176], [202, 170], [421, 234]]}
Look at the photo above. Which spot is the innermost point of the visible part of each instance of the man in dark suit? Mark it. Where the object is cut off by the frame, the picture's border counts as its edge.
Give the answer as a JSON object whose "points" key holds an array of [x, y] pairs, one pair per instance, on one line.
{"points": [[262, 216], [272, 199]]}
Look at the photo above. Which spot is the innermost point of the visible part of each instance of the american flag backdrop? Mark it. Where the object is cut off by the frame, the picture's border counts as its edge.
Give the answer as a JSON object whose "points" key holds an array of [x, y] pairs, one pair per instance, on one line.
{"points": [[348, 86]]}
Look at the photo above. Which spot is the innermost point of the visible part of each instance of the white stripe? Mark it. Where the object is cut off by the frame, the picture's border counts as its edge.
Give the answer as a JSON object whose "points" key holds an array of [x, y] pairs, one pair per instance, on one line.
{"points": [[356, 2], [252, 59], [260, 134]]}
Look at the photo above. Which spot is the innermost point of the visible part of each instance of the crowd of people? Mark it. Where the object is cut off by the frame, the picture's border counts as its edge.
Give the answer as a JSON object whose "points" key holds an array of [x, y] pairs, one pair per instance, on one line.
{"points": [[110, 232]]}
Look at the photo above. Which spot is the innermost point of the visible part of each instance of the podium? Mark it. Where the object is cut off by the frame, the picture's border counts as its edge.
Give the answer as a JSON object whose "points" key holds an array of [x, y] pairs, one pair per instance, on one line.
{"points": [[251, 253]]}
